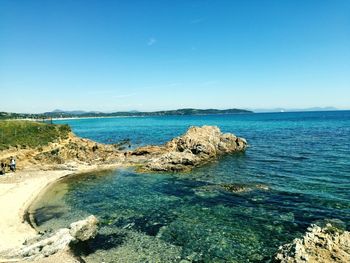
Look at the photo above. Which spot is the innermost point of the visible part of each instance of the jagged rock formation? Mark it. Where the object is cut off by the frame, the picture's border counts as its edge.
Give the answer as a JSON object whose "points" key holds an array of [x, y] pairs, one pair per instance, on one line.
{"points": [[43, 247], [197, 146], [71, 149], [321, 245], [79, 150]]}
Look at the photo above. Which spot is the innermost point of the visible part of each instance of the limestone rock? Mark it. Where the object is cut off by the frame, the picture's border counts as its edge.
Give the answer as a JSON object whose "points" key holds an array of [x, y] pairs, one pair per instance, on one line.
{"points": [[79, 231], [146, 150], [173, 161], [322, 245], [197, 146], [65, 151], [84, 229], [59, 241]]}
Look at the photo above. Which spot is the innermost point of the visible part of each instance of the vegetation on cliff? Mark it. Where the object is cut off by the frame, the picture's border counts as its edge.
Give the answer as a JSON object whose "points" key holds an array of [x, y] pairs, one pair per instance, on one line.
{"points": [[30, 134], [33, 143]]}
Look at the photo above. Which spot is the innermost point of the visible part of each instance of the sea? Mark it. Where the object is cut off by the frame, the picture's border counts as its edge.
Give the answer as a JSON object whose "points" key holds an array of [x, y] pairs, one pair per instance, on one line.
{"points": [[302, 160]]}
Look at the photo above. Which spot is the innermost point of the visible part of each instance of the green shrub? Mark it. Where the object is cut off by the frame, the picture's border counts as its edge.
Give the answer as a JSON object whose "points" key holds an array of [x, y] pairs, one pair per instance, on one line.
{"points": [[30, 134]]}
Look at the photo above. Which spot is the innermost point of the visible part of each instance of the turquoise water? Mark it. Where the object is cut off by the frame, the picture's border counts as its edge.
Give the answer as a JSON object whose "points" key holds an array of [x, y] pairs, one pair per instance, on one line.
{"points": [[303, 159]]}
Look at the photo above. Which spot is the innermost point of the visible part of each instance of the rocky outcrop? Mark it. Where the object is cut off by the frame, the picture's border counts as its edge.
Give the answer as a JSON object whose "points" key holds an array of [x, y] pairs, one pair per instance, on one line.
{"points": [[321, 245], [78, 150], [70, 150], [148, 150], [43, 247], [197, 146]]}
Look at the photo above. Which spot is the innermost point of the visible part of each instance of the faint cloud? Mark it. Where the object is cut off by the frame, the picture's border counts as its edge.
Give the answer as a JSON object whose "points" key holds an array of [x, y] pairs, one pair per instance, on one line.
{"points": [[124, 96], [110, 94], [129, 105], [169, 85], [151, 41], [98, 92]]}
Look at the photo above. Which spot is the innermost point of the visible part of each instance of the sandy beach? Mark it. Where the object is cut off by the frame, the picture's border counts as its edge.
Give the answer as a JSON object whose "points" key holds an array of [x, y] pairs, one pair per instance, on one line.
{"points": [[17, 192]]}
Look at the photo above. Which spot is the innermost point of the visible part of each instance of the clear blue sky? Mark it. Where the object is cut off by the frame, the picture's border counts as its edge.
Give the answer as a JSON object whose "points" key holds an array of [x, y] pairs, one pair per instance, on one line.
{"points": [[167, 54]]}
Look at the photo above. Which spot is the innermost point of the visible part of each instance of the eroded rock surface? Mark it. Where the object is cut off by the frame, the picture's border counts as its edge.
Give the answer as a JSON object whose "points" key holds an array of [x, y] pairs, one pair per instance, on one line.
{"points": [[197, 146], [70, 150], [43, 247], [321, 245]]}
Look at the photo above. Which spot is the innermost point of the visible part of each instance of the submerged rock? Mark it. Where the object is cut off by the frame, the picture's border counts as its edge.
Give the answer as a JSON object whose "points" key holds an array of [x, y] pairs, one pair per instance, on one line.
{"points": [[238, 188], [197, 146], [43, 247], [233, 187], [322, 245]]}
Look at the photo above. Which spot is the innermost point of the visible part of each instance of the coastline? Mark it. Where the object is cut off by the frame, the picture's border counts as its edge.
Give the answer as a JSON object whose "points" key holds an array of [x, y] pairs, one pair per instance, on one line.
{"points": [[73, 155], [74, 118], [18, 191], [131, 116]]}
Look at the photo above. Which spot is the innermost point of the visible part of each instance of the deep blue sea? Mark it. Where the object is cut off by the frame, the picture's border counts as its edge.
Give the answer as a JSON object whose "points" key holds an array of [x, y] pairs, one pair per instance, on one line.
{"points": [[303, 158]]}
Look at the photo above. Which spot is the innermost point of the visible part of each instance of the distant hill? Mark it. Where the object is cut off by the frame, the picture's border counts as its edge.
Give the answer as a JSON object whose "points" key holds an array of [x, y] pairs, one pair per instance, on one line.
{"points": [[188, 111], [81, 114]]}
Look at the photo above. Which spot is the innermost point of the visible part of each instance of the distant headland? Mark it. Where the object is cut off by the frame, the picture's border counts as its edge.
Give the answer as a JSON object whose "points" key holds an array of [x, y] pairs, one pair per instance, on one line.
{"points": [[95, 114]]}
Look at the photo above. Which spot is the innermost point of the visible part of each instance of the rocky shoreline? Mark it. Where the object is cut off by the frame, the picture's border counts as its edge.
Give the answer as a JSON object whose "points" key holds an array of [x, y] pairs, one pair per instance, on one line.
{"points": [[43, 246], [319, 244], [199, 145], [40, 167], [194, 148]]}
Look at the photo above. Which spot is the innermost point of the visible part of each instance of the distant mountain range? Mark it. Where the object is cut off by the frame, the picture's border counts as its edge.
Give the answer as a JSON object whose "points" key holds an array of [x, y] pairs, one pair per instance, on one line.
{"points": [[81, 114], [180, 112], [58, 113], [294, 110]]}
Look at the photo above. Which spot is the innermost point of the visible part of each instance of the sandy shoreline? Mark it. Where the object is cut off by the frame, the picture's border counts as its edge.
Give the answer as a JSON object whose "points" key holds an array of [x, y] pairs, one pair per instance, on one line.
{"points": [[18, 191]]}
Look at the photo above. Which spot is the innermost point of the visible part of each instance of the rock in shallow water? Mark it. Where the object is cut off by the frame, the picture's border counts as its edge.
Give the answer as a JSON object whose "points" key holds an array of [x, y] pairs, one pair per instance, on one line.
{"points": [[197, 146], [322, 245], [84, 229], [79, 231], [231, 188], [239, 188]]}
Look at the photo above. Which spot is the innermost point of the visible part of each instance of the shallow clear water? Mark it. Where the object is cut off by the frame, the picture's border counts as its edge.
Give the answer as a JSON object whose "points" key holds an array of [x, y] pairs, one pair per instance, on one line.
{"points": [[303, 158]]}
